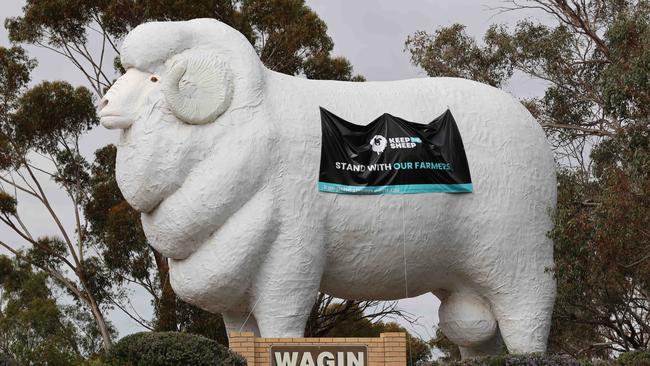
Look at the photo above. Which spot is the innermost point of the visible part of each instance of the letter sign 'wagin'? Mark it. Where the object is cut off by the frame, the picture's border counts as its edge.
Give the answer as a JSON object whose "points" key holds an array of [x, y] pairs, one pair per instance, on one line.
{"points": [[319, 355]]}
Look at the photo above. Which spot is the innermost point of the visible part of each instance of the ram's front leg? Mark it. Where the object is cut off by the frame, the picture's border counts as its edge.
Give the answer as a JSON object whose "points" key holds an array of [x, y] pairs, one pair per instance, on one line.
{"points": [[239, 322], [286, 287], [282, 314]]}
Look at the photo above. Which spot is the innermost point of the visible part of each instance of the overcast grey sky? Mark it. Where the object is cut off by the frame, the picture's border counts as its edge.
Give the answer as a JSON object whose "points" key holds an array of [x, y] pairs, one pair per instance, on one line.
{"points": [[370, 34]]}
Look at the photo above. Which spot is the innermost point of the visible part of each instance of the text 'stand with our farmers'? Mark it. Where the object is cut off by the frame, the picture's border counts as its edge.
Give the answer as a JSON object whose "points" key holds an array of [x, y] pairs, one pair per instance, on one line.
{"points": [[392, 156]]}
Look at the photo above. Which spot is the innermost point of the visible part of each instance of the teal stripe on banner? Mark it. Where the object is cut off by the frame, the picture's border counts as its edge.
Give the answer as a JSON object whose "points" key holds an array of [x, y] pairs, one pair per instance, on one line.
{"points": [[396, 189]]}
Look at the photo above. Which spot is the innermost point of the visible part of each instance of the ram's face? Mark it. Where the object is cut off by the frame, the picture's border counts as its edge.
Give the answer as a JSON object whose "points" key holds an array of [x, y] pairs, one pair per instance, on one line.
{"points": [[166, 120], [126, 100]]}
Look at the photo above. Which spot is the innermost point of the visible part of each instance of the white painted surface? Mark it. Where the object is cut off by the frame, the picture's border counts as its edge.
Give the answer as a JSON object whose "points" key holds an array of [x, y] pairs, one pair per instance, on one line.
{"points": [[235, 202]]}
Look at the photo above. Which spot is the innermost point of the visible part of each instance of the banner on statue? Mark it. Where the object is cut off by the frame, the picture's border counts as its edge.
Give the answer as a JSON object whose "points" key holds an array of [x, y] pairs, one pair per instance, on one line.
{"points": [[391, 155]]}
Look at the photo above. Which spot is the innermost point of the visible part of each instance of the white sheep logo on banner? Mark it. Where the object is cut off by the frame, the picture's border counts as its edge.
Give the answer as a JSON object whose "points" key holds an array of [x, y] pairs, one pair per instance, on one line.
{"points": [[221, 156], [378, 144]]}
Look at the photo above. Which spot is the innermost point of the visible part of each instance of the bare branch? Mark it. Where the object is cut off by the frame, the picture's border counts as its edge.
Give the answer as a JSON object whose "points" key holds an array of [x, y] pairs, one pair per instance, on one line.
{"points": [[18, 186], [589, 131], [639, 261], [54, 216], [137, 318]]}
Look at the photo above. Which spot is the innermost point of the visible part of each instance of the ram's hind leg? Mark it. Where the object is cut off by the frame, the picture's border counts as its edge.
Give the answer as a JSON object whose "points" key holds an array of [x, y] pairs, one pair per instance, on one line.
{"points": [[524, 313], [467, 320]]}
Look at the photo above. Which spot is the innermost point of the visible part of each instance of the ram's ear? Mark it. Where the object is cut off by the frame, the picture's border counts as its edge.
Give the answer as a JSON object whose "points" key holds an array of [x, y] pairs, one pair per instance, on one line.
{"points": [[198, 86]]}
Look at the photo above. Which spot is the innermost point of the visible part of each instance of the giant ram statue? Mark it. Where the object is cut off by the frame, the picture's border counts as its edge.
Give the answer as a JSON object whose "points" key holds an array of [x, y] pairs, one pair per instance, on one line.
{"points": [[221, 157]]}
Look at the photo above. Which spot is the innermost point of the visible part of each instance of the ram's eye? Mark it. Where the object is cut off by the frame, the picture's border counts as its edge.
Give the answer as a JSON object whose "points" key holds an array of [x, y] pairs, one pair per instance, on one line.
{"points": [[153, 79]]}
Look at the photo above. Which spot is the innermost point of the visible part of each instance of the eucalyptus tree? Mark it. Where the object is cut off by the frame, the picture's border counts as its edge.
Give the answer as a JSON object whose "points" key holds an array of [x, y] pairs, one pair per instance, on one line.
{"points": [[34, 328], [40, 130], [596, 112]]}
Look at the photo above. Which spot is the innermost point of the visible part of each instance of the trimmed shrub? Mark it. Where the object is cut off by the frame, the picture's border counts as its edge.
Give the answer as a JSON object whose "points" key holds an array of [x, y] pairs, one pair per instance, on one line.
{"points": [[170, 349], [517, 360], [637, 358], [6, 360]]}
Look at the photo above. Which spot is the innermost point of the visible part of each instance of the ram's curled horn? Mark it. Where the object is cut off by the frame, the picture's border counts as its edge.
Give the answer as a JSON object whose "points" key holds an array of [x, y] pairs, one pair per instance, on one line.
{"points": [[198, 87]]}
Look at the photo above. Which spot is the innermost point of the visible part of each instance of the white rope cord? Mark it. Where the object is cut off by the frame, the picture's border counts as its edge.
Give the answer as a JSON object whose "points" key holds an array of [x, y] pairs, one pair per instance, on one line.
{"points": [[406, 282], [250, 312]]}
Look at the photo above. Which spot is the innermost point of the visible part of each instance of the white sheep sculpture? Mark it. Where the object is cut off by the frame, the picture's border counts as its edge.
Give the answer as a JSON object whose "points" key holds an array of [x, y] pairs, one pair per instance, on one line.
{"points": [[221, 156]]}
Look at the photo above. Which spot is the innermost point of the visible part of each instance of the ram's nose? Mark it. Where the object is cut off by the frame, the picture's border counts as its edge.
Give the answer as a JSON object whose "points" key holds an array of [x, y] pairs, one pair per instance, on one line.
{"points": [[111, 119], [114, 121]]}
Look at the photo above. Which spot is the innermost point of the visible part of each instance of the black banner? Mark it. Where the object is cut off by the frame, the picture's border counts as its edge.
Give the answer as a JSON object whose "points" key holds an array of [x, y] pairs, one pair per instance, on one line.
{"points": [[392, 156]]}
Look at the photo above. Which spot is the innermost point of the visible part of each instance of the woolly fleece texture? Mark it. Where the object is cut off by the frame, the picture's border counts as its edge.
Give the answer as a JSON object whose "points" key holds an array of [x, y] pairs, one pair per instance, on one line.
{"points": [[234, 201]]}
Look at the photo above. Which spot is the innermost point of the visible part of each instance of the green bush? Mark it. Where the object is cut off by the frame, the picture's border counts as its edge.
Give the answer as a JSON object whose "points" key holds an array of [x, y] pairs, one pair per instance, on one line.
{"points": [[517, 360], [638, 358], [6, 360], [170, 348]]}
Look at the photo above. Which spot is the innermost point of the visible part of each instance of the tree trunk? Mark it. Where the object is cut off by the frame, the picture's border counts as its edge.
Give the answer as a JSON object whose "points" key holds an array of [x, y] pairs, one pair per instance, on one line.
{"points": [[167, 305], [101, 324]]}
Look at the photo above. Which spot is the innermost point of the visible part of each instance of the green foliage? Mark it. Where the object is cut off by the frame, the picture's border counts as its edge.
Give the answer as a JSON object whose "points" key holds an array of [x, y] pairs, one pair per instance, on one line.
{"points": [[115, 226], [323, 66], [625, 82], [15, 68], [119, 17], [286, 32], [517, 360], [66, 17], [5, 360], [46, 122], [358, 326], [167, 348], [638, 358], [48, 118], [32, 327], [539, 50], [596, 111], [288, 36], [191, 319], [7, 204], [88, 333], [450, 351], [72, 170], [49, 252], [54, 113], [628, 153], [354, 326], [597, 260], [417, 350], [451, 52]]}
